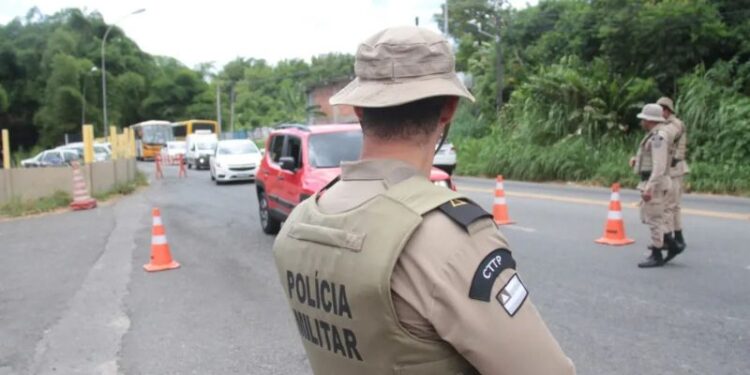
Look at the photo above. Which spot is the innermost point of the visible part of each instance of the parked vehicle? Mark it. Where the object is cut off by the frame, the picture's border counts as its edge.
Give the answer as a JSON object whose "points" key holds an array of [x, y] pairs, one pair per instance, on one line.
{"points": [[234, 160], [51, 158], [445, 158], [200, 147], [101, 151], [301, 160], [172, 152]]}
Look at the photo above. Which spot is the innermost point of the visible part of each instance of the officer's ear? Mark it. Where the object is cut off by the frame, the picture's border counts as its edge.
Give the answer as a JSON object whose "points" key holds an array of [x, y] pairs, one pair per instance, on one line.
{"points": [[448, 110], [359, 112]]}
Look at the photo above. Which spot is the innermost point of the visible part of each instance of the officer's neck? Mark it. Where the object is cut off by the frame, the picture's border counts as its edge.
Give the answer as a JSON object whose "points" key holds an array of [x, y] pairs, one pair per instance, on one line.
{"points": [[417, 154]]}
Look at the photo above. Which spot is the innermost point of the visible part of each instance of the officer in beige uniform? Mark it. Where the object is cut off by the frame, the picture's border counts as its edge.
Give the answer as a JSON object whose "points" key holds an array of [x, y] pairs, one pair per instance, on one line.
{"points": [[651, 163], [387, 273], [678, 169]]}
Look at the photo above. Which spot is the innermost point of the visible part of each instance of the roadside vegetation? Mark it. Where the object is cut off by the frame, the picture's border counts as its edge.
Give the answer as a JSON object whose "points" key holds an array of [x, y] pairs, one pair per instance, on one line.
{"points": [[577, 73], [17, 207]]}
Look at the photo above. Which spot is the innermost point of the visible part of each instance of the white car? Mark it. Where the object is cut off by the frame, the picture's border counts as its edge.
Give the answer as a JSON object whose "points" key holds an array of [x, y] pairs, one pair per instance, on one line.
{"points": [[51, 158], [445, 158], [101, 151], [173, 150], [234, 160]]}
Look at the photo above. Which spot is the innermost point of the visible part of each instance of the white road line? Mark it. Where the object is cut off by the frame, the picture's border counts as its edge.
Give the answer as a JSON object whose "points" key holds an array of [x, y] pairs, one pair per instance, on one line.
{"points": [[518, 228]]}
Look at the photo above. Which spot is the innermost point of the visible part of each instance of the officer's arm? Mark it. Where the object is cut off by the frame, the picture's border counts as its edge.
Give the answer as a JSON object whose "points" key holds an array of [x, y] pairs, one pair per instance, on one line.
{"points": [[482, 307], [660, 155]]}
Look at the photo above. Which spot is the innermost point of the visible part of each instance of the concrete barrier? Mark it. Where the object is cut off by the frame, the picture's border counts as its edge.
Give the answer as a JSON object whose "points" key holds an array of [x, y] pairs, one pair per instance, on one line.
{"points": [[35, 183]]}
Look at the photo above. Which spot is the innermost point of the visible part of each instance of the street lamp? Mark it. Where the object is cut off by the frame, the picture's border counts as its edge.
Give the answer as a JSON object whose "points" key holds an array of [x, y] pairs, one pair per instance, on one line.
{"points": [[83, 96], [104, 69]]}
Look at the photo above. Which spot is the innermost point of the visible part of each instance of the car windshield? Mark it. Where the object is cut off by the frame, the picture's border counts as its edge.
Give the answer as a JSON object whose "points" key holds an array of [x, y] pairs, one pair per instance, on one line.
{"points": [[330, 149], [237, 148]]}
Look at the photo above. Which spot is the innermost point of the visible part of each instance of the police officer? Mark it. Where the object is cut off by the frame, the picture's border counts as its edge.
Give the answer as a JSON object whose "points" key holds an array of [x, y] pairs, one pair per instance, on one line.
{"points": [[678, 169], [388, 273], [651, 163]]}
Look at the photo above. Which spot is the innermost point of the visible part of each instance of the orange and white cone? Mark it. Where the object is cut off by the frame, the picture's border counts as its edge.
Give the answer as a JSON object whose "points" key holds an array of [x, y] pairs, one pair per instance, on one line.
{"points": [[81, 198], [161, 259], [181, 163], [500, 206], [157, 160], [614, 231]]}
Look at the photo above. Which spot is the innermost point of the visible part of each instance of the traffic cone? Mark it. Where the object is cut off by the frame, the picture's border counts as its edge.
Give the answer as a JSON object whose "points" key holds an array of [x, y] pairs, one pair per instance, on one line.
{"points": [[614, 231], [161, 259], [159, 173], [181, 163], [500, 207], [81, 198]]}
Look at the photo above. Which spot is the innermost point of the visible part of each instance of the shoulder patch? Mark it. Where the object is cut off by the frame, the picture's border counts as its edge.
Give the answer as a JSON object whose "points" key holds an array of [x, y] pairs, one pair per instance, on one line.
{"points": [[656, 140], [487, 272], [513, 295], [463, 211]]}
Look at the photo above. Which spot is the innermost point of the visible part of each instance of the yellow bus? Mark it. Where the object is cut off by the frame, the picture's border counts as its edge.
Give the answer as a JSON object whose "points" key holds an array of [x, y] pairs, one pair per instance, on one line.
{"points": [[180, 130], [150, 137]]}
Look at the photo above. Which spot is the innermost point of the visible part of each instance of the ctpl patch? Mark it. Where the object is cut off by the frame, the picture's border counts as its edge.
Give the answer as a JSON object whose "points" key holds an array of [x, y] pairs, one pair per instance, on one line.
{"points": [[487, 272]]}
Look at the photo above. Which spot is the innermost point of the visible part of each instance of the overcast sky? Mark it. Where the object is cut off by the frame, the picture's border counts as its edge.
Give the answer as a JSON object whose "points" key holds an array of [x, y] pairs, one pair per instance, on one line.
{"points": [[221, 30]]}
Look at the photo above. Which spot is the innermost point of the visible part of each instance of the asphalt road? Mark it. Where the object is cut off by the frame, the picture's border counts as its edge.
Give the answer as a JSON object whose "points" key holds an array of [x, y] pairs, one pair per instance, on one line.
{"points": [[75, 299]]}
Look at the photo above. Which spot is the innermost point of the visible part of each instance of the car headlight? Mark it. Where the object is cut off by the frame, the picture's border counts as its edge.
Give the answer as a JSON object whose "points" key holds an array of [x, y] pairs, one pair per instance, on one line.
{"points": [[441, 183]]}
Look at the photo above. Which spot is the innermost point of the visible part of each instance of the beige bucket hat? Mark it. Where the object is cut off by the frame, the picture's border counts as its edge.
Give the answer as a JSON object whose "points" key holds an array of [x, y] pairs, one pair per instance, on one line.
{"points": [[666, 102], [651, 112], [401, 65]]}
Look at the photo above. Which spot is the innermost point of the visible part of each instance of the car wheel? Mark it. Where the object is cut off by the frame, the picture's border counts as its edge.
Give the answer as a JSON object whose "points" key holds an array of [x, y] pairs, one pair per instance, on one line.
{"points": [[268, 223], [211, 172]]}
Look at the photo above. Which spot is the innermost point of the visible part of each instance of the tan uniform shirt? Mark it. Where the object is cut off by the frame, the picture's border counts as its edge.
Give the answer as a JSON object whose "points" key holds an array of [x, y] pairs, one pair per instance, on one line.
{"points": [[433, 276], [679, 134], [654, 157]]}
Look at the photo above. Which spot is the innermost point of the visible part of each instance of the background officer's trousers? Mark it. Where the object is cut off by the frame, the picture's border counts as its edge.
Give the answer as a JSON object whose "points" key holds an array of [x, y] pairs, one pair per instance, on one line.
{"points": [[653, 214], [673, 217]]}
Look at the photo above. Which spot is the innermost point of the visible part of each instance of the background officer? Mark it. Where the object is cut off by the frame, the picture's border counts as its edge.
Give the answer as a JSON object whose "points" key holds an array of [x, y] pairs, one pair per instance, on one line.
{"points": [[429, 284], [651, 163], [678, 169]]}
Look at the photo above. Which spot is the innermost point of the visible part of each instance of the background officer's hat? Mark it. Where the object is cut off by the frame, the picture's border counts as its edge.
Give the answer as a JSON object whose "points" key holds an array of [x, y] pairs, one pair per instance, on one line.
{"points": [[666, 102], [651, 112]]}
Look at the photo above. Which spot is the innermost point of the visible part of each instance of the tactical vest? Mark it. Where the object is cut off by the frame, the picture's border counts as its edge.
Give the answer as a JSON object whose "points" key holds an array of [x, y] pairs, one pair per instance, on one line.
{"points": [[644, 161], [336, 273]]}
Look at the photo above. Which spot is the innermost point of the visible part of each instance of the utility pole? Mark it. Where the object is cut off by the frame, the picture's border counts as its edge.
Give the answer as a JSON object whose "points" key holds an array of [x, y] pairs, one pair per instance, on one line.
{"points": [[231, 109], [499, 52], [499, 67], [445, 18], [218, 103]]}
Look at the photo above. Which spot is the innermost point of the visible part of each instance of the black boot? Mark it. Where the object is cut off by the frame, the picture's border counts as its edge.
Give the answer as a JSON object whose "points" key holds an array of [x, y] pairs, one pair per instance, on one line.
{"points": [[655, 260], [673, 248], [680, 240]]}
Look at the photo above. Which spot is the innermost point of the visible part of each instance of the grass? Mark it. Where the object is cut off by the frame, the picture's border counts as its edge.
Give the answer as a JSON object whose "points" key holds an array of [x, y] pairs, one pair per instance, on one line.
{"points": [[123, 188], [575, 160], [60, 199], [17, 207]]}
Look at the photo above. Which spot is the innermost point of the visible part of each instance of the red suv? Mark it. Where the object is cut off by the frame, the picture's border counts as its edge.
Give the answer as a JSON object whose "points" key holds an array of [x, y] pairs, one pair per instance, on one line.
{"points": [[300, 160]]}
